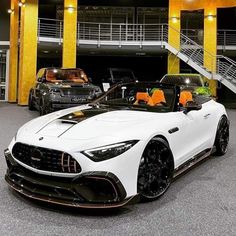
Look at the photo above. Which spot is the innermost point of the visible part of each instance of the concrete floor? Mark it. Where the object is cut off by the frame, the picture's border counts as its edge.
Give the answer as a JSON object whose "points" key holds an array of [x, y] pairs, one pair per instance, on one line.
{"points": [[202, 202]]}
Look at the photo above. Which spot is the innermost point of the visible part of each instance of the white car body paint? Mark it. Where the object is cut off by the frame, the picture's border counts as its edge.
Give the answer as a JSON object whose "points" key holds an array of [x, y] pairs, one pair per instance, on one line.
{"points": [[197, 130]]}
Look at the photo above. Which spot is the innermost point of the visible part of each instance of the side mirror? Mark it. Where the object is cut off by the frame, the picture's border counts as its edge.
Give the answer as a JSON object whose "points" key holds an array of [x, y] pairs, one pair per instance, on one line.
{"points": [[192, 106], [41, 80]]}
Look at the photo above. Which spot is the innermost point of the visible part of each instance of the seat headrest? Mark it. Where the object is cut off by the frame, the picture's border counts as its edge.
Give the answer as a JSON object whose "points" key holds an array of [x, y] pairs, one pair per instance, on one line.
{"points": [[141, 96], [185, 96], [158, 97]]}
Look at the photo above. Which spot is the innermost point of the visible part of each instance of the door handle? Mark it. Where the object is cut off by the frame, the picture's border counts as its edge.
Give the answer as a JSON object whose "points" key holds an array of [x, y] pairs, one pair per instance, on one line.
{"points": [[207, 115]]}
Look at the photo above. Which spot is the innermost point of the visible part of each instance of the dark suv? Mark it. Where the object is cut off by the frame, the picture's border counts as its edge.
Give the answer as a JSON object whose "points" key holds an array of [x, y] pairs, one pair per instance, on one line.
{"points": [[58, 88]]}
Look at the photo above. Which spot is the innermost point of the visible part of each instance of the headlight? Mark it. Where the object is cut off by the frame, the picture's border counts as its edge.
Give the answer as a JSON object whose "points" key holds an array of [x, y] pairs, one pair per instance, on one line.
{"points": [[110, 151], [54, 91]]}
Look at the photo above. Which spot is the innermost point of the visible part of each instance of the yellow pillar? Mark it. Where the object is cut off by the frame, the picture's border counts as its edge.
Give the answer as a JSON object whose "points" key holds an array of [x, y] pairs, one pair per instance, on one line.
{"points": [[174, 35], [69, 34], [14, 29], [210, 42], [28, 50]]}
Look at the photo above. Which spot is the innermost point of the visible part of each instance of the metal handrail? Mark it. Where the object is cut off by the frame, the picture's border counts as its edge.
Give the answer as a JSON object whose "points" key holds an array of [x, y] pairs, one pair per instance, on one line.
{"points": [[216, 66], [54, 28], [225, 37]]}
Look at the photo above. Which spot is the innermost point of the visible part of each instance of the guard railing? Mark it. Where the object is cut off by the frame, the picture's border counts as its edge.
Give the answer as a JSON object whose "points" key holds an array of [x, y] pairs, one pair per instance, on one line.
{"points": [[188, 48]]}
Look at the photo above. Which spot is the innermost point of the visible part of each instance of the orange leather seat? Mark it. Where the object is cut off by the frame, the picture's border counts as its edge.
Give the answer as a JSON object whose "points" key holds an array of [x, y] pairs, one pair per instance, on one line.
{"points": [[185, 96], [158, 97], [144, 97]]}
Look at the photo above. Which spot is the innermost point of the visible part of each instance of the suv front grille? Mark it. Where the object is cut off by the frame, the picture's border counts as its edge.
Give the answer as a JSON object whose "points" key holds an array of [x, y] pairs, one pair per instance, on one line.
{"points": [[45, 159]]}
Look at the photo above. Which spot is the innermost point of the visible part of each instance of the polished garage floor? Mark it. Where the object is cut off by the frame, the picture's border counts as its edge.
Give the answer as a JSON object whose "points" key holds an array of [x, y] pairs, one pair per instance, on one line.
{"points": [[202, 202]]}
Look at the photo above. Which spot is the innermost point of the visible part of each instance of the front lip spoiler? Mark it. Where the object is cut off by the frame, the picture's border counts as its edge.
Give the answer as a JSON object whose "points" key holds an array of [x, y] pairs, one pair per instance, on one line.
{"points": [[68, 203], [64, 202]]}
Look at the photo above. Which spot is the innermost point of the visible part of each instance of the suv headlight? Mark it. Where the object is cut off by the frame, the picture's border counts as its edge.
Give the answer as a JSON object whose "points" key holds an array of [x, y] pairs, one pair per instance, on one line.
{"points": [[110, 151], [55, 91]]}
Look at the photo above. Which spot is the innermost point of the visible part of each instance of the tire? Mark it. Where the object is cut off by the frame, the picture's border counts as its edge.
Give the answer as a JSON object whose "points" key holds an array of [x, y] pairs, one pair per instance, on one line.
{"points": [[30, 102], [42, 108], [222, 136], [155, 170]]}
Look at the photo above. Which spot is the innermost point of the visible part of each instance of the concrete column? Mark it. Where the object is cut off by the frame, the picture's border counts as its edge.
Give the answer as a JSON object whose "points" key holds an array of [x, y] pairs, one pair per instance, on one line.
{"points": [[174, 35], [13, 69], [69, 34], [210, 43], [28, 50]]}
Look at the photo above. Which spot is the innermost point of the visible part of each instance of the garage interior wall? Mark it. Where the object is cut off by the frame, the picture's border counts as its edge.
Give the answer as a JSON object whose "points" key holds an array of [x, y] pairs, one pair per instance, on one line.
{"points": [[210, 31], [28, 40]]}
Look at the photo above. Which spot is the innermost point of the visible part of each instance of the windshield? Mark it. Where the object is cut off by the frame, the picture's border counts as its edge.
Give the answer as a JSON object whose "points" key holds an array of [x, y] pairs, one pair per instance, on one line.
{"points": [[72, 75], [124, 75], [147, 96], [183, 80]]}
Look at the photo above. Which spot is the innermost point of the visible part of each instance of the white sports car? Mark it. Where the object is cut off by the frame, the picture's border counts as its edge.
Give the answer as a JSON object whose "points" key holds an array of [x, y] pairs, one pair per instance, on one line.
{"points": [[130, 142]]}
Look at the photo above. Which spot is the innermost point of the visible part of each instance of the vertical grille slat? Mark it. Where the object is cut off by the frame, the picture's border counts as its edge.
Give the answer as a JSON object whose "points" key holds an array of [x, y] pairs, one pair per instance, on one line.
{"points": [[45, 159]]}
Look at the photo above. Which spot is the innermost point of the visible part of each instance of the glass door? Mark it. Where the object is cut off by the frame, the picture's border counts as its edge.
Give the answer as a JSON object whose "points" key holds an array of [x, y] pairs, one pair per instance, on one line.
{"points": [[3, 75]]}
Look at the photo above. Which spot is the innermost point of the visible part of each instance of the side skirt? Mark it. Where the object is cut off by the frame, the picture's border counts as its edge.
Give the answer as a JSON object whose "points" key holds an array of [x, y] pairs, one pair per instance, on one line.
{"points": [[193, 161]]}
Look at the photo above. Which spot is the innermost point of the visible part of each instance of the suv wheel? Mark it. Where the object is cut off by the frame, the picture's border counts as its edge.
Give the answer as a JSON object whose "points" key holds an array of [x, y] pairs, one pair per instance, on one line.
{"points": [[42, 108], [31, 102]]}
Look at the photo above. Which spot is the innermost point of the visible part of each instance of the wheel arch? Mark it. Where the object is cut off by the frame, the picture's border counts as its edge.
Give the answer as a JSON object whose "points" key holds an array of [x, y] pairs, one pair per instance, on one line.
{"points": [[162, 136]]}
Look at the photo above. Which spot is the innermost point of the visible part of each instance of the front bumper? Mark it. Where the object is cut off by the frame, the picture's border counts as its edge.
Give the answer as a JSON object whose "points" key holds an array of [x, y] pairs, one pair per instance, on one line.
{"points": [[88, 190]]}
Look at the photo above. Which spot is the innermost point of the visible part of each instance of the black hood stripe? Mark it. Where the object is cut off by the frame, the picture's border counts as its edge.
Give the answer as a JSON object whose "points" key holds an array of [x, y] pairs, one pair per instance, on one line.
{"points": [[78, 116]]}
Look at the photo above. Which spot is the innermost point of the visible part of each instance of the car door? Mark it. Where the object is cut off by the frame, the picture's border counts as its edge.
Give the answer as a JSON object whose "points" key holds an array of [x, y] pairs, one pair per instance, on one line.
{"points": [[205, 122], [196, 129], [184, 136]]}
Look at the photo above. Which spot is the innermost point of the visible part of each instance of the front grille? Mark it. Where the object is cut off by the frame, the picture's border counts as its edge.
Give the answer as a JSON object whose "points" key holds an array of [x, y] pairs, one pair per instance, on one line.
{"points": [[45, 159], [84, 92]]}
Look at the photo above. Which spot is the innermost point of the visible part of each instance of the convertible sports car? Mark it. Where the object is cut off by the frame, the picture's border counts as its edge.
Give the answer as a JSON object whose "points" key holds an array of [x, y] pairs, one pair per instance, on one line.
{"points": [[129, 143]]}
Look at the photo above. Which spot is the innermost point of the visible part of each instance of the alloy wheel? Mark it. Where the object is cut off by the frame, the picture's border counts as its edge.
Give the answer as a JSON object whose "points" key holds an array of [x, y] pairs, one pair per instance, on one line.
{"points": [[156, 169]]}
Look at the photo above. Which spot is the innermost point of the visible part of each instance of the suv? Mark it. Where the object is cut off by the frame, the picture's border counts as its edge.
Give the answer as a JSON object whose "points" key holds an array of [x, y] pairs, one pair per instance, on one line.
{"points": [[192, 82], [58, 88], [117, 75]]}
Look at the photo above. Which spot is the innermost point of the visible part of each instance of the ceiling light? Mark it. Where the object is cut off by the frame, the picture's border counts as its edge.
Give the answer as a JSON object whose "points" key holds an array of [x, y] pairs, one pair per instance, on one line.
{"points": [[10, 11], [70, 9], [21, 4], [174, 19], [210, 17]]}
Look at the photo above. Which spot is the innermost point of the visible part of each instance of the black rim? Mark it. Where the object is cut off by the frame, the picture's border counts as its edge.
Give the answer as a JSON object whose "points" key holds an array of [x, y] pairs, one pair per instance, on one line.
{"points": [[155, 171], [223, 134]]}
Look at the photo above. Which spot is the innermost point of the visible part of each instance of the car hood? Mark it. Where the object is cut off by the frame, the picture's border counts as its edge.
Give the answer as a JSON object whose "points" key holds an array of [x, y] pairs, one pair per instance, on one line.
{"points": [[95, 126]]}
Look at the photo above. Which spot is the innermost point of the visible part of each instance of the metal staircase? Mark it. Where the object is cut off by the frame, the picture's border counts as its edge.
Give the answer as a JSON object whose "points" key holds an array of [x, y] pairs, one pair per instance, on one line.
{"points": [[220, 68], [106, 35]]}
